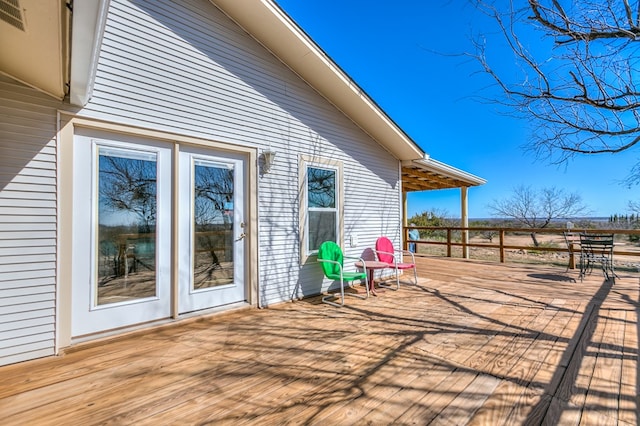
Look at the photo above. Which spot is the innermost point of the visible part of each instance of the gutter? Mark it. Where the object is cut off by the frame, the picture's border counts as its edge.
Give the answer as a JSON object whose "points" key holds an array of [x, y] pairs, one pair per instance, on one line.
{"points": [[87, 29]]}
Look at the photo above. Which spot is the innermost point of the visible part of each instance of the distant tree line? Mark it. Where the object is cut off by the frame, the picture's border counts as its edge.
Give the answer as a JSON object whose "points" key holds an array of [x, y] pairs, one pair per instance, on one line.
{"points": [[441, 219], [628, 219]]}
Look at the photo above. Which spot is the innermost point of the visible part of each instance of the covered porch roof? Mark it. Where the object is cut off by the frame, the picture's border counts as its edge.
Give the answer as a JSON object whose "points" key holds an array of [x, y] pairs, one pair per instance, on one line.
{"points": [[429, 174]]}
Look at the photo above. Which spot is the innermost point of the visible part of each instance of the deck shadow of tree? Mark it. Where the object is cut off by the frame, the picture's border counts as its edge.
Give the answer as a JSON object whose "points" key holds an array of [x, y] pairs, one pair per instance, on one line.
{"points": [[556, 398], [558, 391], [327, 384]]}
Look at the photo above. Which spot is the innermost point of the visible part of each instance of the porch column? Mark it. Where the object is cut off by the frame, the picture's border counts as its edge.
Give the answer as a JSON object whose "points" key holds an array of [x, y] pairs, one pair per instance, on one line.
{"points": [[464, 215], [405, 205]]}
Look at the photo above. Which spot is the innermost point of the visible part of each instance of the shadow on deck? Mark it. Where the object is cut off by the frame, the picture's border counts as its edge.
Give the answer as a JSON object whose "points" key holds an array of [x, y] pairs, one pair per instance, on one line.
{"points": [[472, 343]]}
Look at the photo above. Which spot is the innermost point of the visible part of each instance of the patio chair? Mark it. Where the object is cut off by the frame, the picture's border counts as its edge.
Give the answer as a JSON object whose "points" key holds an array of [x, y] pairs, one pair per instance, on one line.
{"points": [[388, 254], [331, 259], [596, 248]]}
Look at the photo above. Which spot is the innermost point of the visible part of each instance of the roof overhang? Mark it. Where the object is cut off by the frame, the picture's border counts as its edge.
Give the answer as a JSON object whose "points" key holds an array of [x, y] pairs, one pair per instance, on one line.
{"points": [[50, 48], [265, 21], [33, 42], [429, 174]]}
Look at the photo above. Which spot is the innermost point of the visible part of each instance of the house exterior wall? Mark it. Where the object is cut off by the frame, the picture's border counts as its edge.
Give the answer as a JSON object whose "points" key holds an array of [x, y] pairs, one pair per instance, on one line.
{"points": [[28, 207], [186, 68], [179, 68]]}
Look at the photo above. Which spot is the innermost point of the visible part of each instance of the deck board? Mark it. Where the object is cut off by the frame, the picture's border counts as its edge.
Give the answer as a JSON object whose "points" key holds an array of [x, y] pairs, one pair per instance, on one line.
{"points": [[473, 343]]}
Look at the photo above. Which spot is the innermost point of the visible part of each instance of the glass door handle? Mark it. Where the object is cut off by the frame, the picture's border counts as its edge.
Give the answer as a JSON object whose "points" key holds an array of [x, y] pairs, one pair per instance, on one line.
{"points": [[241, 237]]}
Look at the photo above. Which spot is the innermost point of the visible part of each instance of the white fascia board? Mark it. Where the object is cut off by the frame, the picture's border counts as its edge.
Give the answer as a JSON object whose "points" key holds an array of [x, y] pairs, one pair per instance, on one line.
{"points": [[88, 21]]}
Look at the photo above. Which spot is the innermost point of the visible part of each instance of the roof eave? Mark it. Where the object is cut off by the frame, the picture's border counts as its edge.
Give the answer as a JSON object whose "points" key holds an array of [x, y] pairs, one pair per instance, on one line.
{"points": [[276, 31], [34, 46]]}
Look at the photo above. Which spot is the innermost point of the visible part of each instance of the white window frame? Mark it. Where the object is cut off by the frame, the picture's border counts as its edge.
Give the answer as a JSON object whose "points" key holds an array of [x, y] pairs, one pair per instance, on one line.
{"points": [[307, 162]]}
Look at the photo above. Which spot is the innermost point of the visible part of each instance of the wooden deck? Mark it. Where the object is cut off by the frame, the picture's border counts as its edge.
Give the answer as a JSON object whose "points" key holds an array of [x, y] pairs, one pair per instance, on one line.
{"points": [[473, 343]]}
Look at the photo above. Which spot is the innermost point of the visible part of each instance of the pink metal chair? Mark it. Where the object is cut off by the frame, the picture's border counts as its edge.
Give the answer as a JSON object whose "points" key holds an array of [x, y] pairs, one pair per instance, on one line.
{"points": [[388, 254]]}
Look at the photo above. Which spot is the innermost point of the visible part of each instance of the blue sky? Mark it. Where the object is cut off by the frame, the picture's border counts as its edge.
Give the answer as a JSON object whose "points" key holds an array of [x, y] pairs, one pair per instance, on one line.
{"points": [[402, 55]]}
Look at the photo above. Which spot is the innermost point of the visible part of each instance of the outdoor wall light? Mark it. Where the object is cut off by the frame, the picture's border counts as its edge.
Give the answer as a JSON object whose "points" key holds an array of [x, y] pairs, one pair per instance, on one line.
{"points": [[268, 157]]}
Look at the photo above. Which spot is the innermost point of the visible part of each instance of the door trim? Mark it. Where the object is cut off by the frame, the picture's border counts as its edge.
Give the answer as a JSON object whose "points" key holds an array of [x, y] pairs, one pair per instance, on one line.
{"points": [[67, 125]]}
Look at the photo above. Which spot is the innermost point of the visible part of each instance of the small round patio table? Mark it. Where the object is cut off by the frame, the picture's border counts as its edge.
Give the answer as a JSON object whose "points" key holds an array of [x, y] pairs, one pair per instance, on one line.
{"points": [[371, 266]]}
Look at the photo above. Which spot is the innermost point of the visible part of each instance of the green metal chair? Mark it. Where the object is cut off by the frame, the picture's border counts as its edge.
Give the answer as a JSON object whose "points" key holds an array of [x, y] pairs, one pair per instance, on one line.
{"points": [[332, 261]]}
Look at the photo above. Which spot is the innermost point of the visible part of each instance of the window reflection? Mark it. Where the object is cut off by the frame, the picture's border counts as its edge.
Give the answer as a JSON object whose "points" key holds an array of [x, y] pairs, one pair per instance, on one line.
{"points": [[212, 224], [127, 208], [322, 214], [322, 187]]}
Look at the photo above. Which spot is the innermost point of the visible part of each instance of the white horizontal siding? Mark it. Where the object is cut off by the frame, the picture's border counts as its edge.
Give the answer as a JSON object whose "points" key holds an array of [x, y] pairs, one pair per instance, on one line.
{"points": [[26, 284], [27, 223], [19, 303], [27, 251], [41, 314], [17, 244], [184, 67], [23, 336], [8, 262], [9, 292], [39, 347]]}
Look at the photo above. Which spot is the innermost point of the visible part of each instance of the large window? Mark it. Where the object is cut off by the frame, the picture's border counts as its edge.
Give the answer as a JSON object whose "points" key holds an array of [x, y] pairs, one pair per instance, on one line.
{"points": [[321, 206]]}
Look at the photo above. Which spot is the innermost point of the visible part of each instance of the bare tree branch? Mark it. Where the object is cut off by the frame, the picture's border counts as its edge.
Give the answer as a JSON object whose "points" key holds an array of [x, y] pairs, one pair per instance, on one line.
{"points": [[576, 79]]}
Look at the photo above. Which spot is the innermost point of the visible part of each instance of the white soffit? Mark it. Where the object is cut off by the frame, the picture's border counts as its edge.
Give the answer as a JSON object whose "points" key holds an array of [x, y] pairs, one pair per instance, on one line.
{"points": [[273, 28], [33, 44]]}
